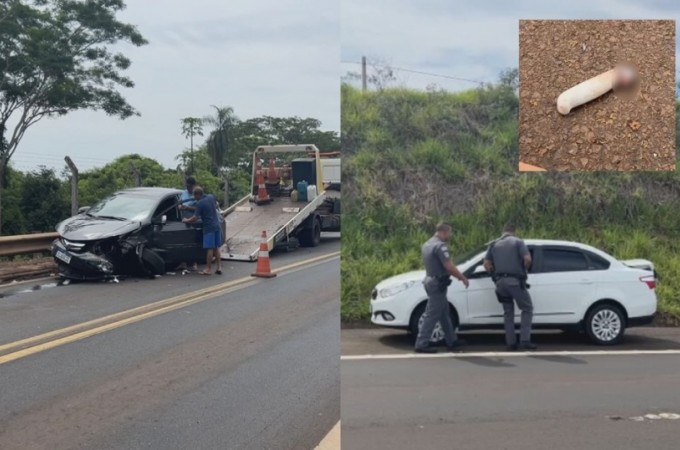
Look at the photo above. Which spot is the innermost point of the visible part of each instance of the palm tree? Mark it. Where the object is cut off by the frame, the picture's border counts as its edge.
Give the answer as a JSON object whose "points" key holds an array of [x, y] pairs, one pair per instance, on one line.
{"points": [[220, 141], [192, 126], [221, 137]]}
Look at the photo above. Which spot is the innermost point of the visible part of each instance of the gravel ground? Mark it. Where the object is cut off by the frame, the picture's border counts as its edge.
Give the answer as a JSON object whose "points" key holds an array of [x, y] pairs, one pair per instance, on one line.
{"points": [[614, 132]]}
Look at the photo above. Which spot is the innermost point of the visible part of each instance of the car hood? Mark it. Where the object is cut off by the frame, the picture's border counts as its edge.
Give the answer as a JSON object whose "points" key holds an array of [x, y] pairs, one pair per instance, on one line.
{"points": [[86, 228], [416, 275]]}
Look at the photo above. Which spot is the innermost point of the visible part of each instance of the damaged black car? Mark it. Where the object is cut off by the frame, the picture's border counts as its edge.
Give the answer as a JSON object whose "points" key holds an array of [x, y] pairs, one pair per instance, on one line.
{"points": [[135, 231]]}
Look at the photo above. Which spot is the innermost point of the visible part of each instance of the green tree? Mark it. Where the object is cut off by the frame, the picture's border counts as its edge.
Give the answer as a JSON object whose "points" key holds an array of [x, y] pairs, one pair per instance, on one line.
{"points": [[239, 176], [55, 58], [220, 142], [44, 200], [221, 138], [15, 223], [267, 130], [191, 126], [96, 184]]}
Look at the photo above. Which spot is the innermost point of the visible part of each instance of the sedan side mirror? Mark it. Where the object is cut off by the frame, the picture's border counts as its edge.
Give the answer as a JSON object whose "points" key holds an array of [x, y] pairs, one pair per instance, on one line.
{"points": [[479, 270], [83, 209], [160, 220]]}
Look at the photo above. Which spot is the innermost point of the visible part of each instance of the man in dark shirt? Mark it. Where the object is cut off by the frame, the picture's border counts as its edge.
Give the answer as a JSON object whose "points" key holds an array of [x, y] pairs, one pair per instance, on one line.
{"points": [[206, 210]]}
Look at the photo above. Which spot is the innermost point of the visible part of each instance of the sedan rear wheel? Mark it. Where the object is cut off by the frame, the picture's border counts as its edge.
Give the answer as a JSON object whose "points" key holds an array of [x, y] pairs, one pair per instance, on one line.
{"points": [[605, 325]]}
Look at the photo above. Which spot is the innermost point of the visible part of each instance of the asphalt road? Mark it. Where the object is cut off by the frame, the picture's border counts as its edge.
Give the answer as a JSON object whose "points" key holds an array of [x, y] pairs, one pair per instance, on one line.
{"points": [[361, 341], [255, 367], [38, 306], [488, 400]]}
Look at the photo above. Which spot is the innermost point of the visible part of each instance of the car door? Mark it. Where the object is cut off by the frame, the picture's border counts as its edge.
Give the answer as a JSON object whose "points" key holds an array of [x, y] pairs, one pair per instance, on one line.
{"points": [[179, 242], [565, 279], [483, 306]]}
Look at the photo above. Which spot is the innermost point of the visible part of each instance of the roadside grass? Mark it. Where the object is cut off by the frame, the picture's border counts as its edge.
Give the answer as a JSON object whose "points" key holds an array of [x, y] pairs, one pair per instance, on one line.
{"points": [[366, 261], [411, 159]]}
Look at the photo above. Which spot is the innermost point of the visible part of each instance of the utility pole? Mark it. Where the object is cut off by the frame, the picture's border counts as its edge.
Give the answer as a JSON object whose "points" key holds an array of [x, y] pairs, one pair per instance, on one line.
{"points": [[137, 175], [225, 177], [363, 74], [74, 185]]}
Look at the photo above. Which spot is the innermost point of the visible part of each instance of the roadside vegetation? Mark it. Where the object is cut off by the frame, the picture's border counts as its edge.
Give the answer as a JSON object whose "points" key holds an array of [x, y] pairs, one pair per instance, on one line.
{"points": [[35, 201], [58, 57], [413, 158]]}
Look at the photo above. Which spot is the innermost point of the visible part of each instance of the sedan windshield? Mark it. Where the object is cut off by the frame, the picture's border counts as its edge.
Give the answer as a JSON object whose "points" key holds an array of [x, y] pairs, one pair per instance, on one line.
{"points": [[123, 207]]}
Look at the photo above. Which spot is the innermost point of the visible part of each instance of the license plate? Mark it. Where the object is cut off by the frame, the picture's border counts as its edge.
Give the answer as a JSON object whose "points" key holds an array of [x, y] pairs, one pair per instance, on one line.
{"points": [[63, 256]]}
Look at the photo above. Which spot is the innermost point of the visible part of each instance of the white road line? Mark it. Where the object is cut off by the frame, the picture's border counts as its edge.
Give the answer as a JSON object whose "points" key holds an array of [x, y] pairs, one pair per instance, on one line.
{"points": [[508, 354], [332, 439]]}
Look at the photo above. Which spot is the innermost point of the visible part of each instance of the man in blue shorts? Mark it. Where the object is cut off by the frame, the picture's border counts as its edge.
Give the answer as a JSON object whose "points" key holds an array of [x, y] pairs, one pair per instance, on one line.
{"points": [[206, 210]]}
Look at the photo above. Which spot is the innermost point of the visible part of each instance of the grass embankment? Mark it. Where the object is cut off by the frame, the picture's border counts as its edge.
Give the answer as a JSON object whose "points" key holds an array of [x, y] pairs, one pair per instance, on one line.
{"points": [[413, 158]]}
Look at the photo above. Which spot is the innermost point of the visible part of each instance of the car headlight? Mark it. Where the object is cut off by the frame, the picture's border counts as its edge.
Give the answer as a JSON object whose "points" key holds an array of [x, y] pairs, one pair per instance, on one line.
{"points": [[395, 289]]}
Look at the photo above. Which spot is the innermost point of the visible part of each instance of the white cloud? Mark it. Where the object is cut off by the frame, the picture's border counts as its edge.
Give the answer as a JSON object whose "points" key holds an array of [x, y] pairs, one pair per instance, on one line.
{"points": [[471, 39]]}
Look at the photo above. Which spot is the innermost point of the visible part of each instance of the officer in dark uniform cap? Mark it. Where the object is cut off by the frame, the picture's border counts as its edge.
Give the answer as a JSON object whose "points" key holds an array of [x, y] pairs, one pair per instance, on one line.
{"points": [[508, 260], [438, 269]]}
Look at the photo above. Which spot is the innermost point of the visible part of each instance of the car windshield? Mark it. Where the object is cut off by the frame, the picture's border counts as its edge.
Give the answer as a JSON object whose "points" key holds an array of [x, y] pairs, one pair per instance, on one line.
{"points": [[123, 207], [463, 257]]}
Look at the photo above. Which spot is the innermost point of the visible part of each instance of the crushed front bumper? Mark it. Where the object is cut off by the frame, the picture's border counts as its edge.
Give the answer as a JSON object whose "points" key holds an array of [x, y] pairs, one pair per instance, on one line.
{"points": [[81, 266]]}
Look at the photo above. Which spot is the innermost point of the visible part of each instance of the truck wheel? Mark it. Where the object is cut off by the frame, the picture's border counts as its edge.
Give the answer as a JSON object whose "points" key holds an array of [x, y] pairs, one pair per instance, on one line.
{"points": [[311, 237]]}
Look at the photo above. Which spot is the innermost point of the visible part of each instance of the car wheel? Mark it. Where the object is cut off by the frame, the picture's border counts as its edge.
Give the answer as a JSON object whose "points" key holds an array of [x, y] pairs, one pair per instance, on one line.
{"points": [[605, 324], [152, 263], [438, 332], [311, 237]]}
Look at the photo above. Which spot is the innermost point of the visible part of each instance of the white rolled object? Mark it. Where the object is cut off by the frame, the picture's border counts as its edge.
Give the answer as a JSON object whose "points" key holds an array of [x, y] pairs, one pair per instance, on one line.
{"points": [[595, 87]]}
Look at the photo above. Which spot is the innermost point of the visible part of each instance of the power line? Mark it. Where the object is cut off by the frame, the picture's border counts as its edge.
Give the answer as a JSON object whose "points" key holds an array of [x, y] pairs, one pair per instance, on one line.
{"points": [[420, 72]]}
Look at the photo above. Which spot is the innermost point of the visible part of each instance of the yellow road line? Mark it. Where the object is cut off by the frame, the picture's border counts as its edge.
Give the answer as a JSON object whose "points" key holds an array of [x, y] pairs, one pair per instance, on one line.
{"points": [[332, 439], [80, 331]]}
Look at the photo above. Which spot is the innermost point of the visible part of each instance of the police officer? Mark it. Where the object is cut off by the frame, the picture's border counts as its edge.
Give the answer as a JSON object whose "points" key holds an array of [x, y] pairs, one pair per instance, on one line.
{"points": [[508, 260], [439, 269]]}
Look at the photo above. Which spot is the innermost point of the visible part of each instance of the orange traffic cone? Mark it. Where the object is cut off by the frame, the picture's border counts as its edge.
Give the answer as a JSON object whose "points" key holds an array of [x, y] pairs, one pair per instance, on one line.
{"points": [[264, 269], [271, 174], [262, 194]]}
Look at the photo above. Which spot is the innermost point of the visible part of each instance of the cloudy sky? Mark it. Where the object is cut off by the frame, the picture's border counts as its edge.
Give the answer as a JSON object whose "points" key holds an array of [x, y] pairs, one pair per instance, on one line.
{"points": [[262, 57], [465, 39]]}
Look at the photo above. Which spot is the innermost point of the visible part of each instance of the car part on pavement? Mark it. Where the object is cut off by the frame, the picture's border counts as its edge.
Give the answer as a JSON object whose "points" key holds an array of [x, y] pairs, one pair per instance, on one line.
{"points": [[623, 76]]}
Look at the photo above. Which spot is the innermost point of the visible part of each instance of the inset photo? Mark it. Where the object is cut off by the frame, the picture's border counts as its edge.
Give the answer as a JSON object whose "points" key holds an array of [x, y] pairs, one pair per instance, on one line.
{"points": [[597, 95]]}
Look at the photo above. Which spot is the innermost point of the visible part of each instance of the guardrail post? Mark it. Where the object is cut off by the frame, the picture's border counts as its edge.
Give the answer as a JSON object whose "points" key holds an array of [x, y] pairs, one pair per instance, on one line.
{"points": [[74, 185]]}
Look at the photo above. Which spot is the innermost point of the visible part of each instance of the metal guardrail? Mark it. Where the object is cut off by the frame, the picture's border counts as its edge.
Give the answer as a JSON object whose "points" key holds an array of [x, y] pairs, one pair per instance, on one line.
{"points": [[26, 243]]}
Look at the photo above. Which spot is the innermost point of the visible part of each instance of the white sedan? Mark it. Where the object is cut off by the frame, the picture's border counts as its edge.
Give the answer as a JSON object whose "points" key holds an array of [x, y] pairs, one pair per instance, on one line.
{"points": [[573, 287]]}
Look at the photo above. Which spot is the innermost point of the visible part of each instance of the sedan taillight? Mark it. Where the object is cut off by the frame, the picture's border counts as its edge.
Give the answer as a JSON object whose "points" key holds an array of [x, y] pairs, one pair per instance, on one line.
{"points": [[649, 280]]}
